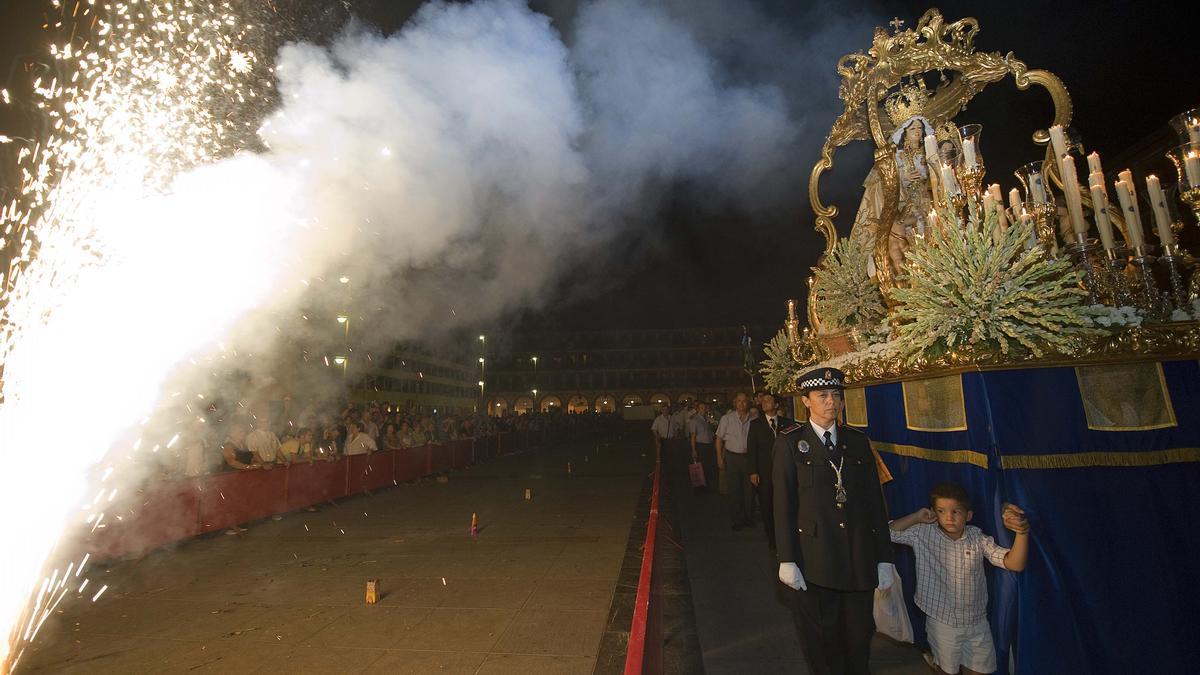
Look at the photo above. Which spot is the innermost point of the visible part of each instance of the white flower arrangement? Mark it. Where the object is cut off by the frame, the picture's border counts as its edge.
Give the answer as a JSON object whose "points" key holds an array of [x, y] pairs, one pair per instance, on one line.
{"points": [[1115, 317]]}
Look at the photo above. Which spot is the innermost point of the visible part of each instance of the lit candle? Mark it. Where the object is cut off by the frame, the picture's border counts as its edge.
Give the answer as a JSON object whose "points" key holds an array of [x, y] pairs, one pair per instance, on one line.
{"points": [[1071, 192], [1191, 169], [1162, 217], [1026, 219], [1014, 201], [988, 204], [1038, 188], [969, 152], [1094, 163], [1058, 140], [1096, 178], [1126, 176], [998, 202], [1133, 224], [948, 182], [931, 151], [1100, 210]]}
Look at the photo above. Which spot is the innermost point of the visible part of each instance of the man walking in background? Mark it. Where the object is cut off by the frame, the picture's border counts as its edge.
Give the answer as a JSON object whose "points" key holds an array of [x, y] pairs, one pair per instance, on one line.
{"points": [[662, 428], [761, 439], [731, 437], [700, 435]]}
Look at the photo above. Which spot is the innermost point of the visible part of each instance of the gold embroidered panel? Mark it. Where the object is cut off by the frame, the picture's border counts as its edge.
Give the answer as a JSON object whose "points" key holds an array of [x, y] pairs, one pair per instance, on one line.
{"points": [[856, 406], [1125, 397], [935, 404]]}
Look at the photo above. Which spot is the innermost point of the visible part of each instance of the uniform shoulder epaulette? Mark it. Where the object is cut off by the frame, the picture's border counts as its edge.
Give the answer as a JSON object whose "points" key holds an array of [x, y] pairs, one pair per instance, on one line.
{"points": [[794, 426], [853, 430]]}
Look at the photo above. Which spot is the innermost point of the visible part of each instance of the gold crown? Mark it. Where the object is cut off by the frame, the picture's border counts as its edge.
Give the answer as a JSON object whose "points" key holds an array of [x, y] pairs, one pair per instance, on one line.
{"points": [[946, 131], [908, 102]]}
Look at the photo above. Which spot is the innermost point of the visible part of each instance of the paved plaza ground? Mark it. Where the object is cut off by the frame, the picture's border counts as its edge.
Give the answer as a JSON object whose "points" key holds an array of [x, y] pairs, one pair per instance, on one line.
{"points": [[546, 587]]}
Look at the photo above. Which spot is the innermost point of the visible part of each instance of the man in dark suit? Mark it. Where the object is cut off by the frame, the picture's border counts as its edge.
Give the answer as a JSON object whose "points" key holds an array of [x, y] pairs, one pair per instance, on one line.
{"points": [[760, 442], [831, 528]]}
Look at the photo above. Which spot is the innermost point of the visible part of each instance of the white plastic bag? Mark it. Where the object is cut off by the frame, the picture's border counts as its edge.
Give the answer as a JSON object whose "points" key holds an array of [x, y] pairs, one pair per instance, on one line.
{"points": [[891, 616]]}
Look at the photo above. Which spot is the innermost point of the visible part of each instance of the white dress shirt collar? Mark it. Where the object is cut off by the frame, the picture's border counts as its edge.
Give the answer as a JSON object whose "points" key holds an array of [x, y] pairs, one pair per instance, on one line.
{"points": [[820, 431]]}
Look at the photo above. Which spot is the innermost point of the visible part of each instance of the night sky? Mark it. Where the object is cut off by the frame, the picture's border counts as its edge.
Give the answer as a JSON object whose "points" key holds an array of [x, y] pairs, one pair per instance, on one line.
{"points": [[1129, 67]]}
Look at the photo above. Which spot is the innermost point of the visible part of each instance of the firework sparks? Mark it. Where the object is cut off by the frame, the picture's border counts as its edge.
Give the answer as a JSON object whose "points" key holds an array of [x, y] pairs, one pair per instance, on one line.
{"points": [[100, 300]]}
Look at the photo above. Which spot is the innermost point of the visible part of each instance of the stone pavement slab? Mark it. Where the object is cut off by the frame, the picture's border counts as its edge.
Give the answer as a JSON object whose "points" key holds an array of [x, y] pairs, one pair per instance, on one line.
{"points": [[530, 594]]}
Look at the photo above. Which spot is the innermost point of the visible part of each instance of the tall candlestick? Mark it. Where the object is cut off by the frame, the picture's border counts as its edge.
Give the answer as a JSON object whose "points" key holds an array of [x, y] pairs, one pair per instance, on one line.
{"points": [[931, 151], [1094, 164], [1191, 169], [1100, 210], [969, 153], [1126, 176], [989, 202], [948, 183], [1014, 201], [1071, 192], [1038, 189], [1096, 178], [1133, 224], [998, 202], [1162, 217], [1058, 141]]}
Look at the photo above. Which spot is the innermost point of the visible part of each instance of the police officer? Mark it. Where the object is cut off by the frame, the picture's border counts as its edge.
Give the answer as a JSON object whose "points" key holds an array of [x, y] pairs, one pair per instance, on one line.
{"points": [[831, 528]]}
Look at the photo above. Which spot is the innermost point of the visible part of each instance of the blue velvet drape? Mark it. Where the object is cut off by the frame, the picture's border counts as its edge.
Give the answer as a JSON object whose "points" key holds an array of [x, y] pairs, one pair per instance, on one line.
{"points": [[1114, 567]]}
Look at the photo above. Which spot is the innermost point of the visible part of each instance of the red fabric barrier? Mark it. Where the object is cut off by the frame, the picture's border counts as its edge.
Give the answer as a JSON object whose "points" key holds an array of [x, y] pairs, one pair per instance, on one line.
{"points": [[233, 497], [441, 458], [462, 452], [315, 483], [149, 518], [371, 472], [644, 653], [507, 442], [412, 463]]}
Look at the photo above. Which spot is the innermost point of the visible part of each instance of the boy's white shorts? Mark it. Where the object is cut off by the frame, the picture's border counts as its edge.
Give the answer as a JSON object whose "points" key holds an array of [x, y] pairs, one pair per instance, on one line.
{"points": [[969, 646]]}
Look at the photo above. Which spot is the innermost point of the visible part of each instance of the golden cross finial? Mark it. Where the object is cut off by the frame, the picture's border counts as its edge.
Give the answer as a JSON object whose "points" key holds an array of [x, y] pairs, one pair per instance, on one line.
{"points": [[896, 23]]}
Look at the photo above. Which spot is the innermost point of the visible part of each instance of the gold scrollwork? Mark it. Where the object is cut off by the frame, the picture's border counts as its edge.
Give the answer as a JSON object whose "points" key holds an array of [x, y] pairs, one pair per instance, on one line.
{"points": [[933, 46]]}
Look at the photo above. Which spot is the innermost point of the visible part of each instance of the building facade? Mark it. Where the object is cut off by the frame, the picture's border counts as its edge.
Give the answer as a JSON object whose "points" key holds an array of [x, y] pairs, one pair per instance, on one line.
{"points": [[608, 370]]}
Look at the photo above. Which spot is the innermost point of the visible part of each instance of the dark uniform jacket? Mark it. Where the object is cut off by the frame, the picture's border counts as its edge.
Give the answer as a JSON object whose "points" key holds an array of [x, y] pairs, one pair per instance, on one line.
{"points": [[760, 444], [835, 546]]}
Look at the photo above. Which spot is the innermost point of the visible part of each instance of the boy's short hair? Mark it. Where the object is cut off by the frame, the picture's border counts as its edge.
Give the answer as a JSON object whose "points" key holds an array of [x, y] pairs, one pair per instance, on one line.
{"points": [[950, 490]]}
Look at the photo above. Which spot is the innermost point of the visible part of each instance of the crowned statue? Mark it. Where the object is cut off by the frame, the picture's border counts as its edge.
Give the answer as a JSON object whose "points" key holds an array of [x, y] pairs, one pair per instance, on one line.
{"points": [[918, 147]]}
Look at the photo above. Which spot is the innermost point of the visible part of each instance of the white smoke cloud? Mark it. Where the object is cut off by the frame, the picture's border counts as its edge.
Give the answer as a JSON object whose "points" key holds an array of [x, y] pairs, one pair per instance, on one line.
{"points": [[462, 167]]}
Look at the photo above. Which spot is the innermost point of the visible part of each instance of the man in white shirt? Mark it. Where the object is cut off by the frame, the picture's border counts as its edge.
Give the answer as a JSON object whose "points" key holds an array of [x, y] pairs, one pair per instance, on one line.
{"points": [[263, 443], [358, 442], [731, 437], [663, 430]]}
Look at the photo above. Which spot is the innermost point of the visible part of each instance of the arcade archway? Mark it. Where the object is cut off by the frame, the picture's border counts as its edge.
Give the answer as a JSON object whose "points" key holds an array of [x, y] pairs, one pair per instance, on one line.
{"points": [[631, 400], [498, 407], [551, 403], [606, 404], [660, 399], [578, 405], [523, 405]]}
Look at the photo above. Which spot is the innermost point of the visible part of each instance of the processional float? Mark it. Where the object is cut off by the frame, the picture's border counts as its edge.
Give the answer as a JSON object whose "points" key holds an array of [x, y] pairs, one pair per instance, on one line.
{"points": [[1034, 344]]}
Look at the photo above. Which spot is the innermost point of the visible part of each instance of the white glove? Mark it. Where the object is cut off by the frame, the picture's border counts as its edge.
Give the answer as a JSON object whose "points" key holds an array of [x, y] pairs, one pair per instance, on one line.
{"points": [[789, 573], [887, 576]]}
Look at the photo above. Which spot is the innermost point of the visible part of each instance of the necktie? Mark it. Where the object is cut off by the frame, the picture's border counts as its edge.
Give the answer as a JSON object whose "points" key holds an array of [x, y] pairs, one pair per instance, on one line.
{"points": [[829, 444], [773, 429]]}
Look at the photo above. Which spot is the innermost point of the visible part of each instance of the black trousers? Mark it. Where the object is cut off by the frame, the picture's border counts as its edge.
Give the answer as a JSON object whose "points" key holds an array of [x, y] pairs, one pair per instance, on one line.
{"points": [[835, 629], [706, 454], [766, 497]]}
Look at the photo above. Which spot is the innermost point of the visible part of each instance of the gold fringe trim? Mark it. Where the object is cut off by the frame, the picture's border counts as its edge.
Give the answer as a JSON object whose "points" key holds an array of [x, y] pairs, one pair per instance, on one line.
{"points": [[949, 456], [1092, 459]]}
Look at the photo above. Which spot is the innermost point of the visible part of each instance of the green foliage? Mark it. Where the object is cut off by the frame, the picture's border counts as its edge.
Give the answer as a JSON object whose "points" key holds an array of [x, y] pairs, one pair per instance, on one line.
{"points": [[779, 369], [844, 296], [966, 291]]}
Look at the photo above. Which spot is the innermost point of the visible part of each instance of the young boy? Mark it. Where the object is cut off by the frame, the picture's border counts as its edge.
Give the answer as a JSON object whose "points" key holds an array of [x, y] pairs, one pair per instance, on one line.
{"points": [[951, 588]]}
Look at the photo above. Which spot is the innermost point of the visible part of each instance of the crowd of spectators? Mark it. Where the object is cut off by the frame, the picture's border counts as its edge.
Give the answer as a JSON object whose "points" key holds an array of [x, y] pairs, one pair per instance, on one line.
{"points": [[326, 430]]}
